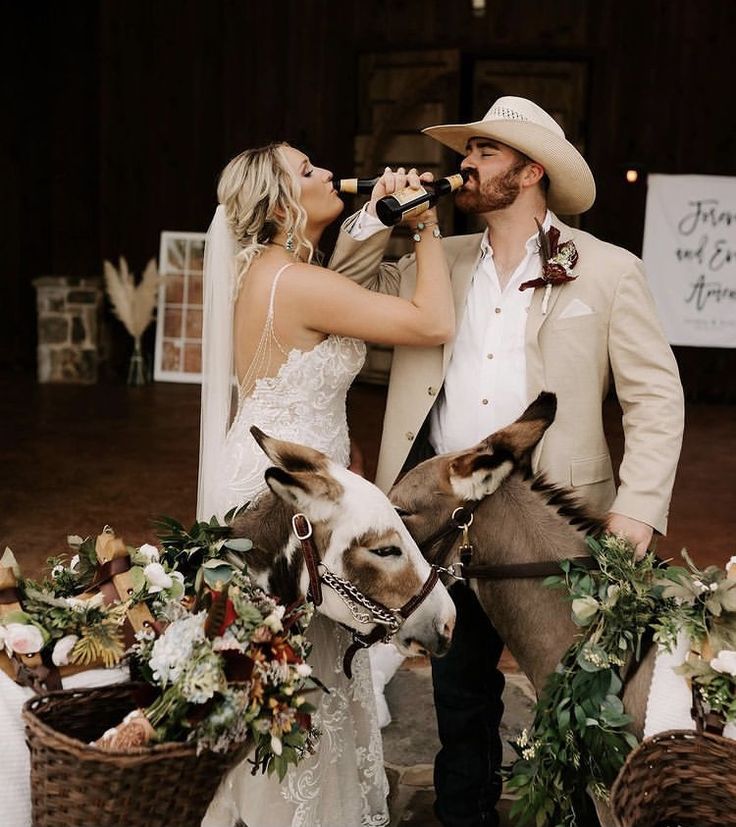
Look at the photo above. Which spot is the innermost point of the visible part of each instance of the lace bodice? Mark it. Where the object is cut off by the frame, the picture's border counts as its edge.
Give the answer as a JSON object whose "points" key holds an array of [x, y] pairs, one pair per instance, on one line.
{"points": [[304, 402]]}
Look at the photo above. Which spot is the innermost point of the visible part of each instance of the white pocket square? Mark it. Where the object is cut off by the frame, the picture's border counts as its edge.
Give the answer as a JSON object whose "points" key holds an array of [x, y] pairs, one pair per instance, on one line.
{"points": [[576, 308]]}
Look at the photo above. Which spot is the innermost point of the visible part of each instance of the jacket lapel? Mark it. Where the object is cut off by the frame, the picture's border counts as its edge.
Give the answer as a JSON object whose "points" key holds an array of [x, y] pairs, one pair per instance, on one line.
{"points": [[461, 274]]}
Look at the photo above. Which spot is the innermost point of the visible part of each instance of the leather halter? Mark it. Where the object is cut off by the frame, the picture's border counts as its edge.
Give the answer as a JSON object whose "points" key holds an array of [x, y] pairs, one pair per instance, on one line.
{"points": [[460, 521], [387, 621]]}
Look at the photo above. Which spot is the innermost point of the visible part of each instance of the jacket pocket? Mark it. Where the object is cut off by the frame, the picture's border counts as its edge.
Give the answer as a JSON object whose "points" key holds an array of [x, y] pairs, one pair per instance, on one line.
{"points": [[590, 470]]}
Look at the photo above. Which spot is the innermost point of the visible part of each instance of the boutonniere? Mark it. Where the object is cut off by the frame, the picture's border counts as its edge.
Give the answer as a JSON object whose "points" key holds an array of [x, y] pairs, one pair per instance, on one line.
{"points": [[557, 262]]}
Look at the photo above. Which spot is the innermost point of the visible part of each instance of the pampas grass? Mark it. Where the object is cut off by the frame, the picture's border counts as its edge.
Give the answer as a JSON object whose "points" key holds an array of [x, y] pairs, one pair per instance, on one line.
{"points": [[132, 303]]}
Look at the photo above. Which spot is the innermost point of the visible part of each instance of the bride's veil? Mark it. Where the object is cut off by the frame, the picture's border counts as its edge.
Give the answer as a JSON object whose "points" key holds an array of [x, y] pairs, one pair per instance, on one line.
{"points": [[217, 359]]}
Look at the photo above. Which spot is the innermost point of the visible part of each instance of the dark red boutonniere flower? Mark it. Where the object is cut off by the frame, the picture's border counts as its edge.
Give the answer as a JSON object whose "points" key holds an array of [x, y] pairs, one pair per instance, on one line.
{"points": [[557, 262]]}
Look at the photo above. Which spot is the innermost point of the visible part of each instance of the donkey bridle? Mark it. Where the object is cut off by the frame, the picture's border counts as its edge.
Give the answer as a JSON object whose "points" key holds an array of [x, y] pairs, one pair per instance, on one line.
{"points": [[387, 621], [463, 569]]}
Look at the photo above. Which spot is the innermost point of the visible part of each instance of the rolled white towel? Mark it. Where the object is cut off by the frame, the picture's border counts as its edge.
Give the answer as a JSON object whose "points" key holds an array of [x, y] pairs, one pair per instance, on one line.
{"points": [[15, 798], [670, 698]]}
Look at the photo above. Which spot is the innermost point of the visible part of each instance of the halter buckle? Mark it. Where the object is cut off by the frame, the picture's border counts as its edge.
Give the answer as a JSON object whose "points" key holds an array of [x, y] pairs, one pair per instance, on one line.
{"points": [[294, 520]]}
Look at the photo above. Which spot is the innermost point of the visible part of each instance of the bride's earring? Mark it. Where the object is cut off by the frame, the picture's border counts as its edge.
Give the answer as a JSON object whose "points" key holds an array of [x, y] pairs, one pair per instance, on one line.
{"points": [[289, 245]]}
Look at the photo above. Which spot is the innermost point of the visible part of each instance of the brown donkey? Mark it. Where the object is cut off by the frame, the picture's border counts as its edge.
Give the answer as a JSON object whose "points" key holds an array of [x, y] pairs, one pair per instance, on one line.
{"points": [[518, 517]]}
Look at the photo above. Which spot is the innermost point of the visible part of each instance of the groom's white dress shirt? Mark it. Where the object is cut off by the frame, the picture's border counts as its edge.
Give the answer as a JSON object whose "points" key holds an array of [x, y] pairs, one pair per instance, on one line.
{"points": [[485, 386]]}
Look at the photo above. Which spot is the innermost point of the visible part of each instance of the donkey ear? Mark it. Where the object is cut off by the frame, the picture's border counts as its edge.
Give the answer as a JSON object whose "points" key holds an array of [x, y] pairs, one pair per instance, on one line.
{"points": [[317, 495], [479, 472], [289, 455], [521, 437]]}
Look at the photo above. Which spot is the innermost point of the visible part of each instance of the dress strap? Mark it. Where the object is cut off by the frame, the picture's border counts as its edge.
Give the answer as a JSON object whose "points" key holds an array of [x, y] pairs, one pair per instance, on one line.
{"points": [[273, 288]]}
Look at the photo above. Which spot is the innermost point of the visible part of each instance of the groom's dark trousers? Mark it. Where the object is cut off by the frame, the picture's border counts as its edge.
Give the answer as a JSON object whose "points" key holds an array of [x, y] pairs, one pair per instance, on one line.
{"points": [[467, 696]]}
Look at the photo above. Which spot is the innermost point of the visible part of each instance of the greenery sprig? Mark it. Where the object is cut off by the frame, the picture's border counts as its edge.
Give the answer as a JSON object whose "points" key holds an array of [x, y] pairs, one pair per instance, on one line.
{"points": [[578, 740]]}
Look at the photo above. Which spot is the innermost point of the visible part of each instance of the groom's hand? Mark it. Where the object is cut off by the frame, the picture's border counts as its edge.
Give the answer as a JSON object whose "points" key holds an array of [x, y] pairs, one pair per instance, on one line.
{"points": [[640, 534]]}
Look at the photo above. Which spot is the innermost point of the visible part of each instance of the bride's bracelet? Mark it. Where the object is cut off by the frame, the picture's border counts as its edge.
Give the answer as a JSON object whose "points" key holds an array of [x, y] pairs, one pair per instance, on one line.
{"points": [[422, 225]]}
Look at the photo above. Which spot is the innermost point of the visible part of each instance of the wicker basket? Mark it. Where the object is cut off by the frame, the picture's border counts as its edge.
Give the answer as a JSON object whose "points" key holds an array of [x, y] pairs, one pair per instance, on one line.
{"points": [[77, 785], [679, 777]]}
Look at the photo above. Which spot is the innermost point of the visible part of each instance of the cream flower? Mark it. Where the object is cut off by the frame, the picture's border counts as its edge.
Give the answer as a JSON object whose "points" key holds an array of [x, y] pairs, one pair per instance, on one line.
{"points": [[273, 621], [584, 608], [157, 578], [23, 638], [725, 662], [63, 649], [304, 670], [149, 552]]}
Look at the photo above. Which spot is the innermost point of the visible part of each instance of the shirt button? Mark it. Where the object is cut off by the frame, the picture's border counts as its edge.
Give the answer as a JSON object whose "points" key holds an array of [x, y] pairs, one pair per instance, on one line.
{"points": [[409, 435], [497, 310], [432, 391], [489, 356], [484, 401]]}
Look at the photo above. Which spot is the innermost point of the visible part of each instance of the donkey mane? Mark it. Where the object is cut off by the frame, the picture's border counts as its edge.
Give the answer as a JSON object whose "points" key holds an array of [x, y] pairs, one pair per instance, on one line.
{"points": [[567, 504]]}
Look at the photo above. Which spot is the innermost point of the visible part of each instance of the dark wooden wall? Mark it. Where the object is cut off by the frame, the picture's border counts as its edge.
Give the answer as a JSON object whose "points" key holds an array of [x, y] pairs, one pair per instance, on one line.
{"points": [[118, 115]]}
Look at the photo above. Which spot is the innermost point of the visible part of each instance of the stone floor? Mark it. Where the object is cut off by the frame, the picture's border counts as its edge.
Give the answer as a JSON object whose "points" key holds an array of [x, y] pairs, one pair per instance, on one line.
{"points": [[410, 740], [75, 458]]}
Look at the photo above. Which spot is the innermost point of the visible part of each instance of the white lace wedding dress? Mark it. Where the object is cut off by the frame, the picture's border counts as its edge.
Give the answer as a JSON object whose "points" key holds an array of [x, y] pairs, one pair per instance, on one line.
{"points": [[343, 784]]}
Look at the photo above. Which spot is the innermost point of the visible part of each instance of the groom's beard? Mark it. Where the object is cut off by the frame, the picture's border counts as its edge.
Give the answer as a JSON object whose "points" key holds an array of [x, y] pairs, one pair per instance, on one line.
{"points": [[496, 193]]}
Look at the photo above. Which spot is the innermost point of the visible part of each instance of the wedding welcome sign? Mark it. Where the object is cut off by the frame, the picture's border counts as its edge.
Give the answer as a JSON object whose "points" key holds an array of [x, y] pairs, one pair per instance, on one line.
{"points": [[690, 257]]}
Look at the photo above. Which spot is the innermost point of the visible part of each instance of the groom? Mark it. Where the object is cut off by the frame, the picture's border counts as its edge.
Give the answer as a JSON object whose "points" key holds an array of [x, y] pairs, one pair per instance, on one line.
{"points": [[563, 313]]}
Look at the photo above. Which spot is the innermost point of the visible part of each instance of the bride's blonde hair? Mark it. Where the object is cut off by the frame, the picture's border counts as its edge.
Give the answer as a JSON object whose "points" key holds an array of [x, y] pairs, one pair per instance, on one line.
{"points": [[260, 194]]}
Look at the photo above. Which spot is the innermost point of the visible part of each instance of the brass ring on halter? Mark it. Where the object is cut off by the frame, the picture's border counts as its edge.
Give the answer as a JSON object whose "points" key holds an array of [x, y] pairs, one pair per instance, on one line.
{"points": [[457, 522]]}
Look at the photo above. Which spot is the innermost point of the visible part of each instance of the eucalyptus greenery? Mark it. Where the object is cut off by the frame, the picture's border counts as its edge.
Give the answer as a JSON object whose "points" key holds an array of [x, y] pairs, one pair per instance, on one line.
{"points": [[207, 553], [578, 740]]}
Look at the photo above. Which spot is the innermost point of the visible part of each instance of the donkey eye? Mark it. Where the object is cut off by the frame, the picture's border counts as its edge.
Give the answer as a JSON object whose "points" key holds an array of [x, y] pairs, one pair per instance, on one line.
{"points": [[386, 551], [402, 512]]}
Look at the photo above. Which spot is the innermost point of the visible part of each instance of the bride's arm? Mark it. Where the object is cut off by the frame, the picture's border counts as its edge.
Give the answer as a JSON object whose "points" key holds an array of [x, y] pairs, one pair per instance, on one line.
{"points": [[325, 301]]}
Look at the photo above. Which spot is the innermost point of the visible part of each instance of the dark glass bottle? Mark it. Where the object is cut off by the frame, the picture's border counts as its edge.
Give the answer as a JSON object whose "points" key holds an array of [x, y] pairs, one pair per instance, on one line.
{"points": [[409, 202], [350, 186]]}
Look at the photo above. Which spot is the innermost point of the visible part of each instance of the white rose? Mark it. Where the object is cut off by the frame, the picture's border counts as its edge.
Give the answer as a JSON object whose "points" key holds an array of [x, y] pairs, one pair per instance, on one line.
{"points": [[63, 649], [276, 746], [303, 669], [23, 638], [74, 562], [725, 662], [157, 578], [149, 552]]}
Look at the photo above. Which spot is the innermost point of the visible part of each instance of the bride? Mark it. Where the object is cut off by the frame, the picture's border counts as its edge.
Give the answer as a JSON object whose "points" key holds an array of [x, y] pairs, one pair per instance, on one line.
{"points": [[289, 335]]}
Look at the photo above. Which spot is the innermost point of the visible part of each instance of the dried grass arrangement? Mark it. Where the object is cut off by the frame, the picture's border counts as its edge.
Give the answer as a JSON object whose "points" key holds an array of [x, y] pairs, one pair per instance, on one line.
{"points": [[134, 305]]}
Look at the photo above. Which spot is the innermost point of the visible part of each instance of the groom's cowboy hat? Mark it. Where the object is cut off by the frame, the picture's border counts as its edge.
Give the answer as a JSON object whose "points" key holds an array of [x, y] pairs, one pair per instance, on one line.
{"points": [[521, 124]]}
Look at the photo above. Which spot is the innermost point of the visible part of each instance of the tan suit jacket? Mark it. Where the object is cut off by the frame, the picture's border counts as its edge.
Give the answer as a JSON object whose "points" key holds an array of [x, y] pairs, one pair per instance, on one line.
{"points": [[574, 357]]}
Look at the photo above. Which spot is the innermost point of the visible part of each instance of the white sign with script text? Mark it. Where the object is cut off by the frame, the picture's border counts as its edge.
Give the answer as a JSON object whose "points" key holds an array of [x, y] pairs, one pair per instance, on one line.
{"points": [[690, 257]]}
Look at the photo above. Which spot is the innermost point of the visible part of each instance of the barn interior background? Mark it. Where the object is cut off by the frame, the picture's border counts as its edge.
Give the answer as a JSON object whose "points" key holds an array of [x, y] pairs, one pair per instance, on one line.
{"points": [[118, 117]]}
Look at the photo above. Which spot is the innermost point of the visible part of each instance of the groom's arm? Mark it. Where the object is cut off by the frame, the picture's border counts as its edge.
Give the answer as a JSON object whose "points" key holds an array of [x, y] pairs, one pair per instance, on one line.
{"points": [[359, 254]]}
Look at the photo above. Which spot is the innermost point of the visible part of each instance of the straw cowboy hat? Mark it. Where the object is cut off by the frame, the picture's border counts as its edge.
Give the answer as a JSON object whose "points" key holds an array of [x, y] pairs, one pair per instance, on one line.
{"points": [[521, 124]]}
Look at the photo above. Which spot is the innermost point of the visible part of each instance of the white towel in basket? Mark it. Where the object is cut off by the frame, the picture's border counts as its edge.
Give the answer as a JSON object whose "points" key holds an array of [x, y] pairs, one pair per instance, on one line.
{"points": [[15, 792], [670, 700]]}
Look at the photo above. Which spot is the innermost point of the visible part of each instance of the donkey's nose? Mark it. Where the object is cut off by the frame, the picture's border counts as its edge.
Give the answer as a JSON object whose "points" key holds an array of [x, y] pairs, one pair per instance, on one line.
{"points": [[449, 628], [444, 639]]}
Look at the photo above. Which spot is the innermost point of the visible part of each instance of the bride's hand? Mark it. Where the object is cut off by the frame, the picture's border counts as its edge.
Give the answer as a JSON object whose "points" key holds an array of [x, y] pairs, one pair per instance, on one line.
{"points": [[391, 182]]}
